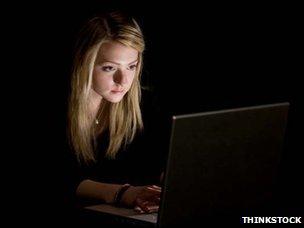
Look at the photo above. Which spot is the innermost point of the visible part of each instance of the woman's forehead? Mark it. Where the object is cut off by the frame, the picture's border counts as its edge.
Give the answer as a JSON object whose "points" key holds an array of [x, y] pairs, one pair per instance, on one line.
{"points": [[117, 53]]}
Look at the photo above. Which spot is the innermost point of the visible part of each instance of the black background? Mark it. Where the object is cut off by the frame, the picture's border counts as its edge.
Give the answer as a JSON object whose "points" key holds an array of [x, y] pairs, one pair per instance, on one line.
{"points": [[198, 58]]}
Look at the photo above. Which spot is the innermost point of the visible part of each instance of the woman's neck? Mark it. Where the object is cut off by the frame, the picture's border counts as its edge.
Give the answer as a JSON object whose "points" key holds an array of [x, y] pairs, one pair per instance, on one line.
{"points": [[95, 100]]}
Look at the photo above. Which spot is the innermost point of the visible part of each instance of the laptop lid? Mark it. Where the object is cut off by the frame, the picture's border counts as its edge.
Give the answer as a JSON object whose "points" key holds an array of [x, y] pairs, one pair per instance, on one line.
{"points": [[222, 163]]}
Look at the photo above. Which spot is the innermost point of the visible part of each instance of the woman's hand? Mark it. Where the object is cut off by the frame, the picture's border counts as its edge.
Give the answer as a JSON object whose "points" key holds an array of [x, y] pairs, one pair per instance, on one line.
{"points": [[144, 199]]}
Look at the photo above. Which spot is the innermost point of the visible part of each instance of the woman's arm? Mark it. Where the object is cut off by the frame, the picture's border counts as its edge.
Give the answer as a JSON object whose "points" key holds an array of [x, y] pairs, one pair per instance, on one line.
{"points": [[98, 191], [146, 198]]}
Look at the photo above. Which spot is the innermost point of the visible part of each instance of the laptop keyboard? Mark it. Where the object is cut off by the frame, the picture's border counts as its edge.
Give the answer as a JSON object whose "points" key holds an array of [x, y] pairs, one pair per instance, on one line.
{"points": [[152, 217]]}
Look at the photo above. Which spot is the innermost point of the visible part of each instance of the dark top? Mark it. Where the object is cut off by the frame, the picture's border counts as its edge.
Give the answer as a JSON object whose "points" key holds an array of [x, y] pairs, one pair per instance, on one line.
{"points": [[141, 163]]}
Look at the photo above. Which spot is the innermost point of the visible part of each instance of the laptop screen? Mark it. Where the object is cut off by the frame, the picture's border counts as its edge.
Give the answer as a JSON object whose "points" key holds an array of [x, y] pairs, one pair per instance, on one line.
{"points": [[222, 163]]}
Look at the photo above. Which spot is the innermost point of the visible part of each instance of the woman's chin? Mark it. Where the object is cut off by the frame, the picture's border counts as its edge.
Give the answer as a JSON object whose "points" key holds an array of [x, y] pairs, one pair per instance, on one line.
{"points": [[114, 99]]}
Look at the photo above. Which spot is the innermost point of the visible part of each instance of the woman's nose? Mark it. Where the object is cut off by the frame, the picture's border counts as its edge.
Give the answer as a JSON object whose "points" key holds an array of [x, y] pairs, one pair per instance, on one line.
{"points": [[120, 77]]}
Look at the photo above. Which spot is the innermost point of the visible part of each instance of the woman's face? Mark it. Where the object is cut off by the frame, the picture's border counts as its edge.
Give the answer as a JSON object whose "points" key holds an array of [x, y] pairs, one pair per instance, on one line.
{"points": [[114, 71]]}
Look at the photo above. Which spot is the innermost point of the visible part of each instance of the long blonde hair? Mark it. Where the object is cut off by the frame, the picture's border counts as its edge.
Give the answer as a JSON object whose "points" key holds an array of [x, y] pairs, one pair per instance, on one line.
{"points": [[122, 119]]}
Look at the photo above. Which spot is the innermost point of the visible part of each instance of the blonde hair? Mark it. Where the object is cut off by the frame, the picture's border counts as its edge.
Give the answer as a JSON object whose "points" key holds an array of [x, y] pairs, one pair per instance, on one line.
{"points": [[122, 119]]}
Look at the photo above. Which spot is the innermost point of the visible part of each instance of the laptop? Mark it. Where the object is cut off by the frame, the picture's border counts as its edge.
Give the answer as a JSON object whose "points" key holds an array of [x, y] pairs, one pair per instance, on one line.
{"points": [[221, 165]]}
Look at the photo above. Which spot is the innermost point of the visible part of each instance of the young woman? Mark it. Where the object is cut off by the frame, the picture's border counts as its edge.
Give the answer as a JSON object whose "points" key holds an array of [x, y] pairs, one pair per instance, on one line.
{"points": [[105, 116]]}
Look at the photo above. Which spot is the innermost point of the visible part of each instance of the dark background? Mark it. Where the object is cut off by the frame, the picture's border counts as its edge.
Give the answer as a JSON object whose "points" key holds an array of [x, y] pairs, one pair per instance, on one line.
{"points": [[198, 58]]}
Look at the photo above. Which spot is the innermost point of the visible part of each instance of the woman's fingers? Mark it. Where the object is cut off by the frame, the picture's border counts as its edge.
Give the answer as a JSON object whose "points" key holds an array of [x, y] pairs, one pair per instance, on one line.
{"points": [[150, 209], [152, 194], [148, 200], [139, 210], [157, 187], [143, 205], [154, 188], [153, 208], [146, 208]]}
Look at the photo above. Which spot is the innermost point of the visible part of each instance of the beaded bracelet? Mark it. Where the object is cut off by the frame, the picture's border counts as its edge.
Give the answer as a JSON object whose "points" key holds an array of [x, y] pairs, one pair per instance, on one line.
{"points": [[120, 193]]}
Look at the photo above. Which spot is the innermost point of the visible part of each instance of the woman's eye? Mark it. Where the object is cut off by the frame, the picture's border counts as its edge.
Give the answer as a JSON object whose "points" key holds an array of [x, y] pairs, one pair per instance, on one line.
{"points": [[107, 68], [132, 67]]}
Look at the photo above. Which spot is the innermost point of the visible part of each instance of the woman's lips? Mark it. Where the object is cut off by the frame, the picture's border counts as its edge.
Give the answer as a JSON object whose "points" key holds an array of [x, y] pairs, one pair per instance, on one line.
{"points": [[116, 91]]}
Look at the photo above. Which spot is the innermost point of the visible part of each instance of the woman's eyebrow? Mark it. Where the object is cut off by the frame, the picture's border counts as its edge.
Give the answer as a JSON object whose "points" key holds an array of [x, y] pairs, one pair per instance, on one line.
{"points": [[109, 61]]}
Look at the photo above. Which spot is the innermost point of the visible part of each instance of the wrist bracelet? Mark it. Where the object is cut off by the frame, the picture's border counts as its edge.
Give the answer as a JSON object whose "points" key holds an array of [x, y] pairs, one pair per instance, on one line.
{"points": [[120, 193]]}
